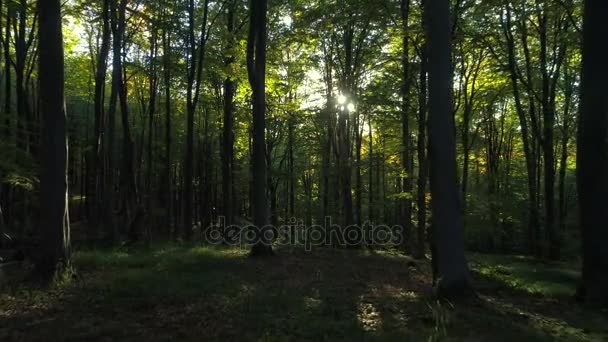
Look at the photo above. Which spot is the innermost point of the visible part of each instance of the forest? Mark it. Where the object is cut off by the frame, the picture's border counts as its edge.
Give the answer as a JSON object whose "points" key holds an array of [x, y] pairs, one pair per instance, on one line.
{"points": [[303, 170]]}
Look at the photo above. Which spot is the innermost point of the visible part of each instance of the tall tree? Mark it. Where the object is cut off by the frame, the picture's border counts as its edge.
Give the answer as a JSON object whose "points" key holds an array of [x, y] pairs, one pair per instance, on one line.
{"points": [[452, 269], [406, 157], [227, 133], [592, 159], [256, 68], [53, 179], [423, 166], [196, 55], [97, 165], [167, 189]]}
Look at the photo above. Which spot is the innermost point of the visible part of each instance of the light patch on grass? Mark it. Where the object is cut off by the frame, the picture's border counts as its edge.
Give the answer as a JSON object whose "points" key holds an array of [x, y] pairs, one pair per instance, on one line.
{"points": [[369, 317], [312, 303]]}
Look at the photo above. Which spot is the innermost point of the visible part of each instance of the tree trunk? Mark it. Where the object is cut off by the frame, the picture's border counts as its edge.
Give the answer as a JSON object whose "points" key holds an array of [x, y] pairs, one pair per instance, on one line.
{"points": [[168, 189], [452, 269], [195, 66], [358, 179], [228, 135], [129, 189], [593, 155], [371, 204], [406, 139], [256, 68], [419, 250], [528, 144], [97, 165], [53, 179], [153, 88], [291, 199]]}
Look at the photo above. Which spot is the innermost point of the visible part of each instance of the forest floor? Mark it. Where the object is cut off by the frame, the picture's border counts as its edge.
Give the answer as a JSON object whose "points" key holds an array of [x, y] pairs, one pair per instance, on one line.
{"points": [[182, 293]]}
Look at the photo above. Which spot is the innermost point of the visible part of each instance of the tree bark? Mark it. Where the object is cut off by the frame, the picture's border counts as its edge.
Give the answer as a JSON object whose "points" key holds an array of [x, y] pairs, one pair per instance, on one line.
{"points": [[406, 139], [592, 154], [195, 70], [528, 143], [420, 248], [55, 224], [97, 160], [228, 135], [168, 189], [452, 269], [256, 68]]}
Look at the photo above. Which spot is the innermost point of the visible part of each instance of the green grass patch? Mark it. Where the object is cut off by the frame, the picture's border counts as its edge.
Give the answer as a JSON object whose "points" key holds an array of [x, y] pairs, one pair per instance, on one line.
{"points": [[555, 279]]}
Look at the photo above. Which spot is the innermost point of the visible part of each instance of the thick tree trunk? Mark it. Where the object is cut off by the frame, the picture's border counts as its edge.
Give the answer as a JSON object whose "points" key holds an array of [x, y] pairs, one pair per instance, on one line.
{"points": [[55, 224], [593, 155], [256, 67], [452, 269]]}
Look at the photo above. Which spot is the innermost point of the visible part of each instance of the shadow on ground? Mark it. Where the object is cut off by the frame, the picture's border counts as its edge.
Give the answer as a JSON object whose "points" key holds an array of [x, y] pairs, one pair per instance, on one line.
{"points": [[214, 294]]}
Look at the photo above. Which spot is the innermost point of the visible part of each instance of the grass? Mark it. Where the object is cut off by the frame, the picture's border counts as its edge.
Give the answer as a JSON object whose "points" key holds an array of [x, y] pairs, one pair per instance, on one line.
{"points": [[550, 279], [195, 293]]}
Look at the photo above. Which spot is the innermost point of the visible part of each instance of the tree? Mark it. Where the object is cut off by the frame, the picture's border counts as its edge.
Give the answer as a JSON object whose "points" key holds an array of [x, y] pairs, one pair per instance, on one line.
{"points": [[227, 132], [101, 66], [447, 232], [196, 56], [593, 155], [53, 179], [406, 157], [256, 68]]}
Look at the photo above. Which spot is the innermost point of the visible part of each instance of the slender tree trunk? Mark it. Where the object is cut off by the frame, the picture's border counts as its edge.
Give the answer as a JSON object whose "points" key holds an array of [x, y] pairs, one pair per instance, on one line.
{"points": [[548, 142], [563, 165], [371, 205], [168, 189], [290, 167], [592, 155], [419, 250], [129, 189], [21, 50], [153, 88], [529, 146], [195, 70], [406, 157], [97, 163], [53, 181], [452, 269], [228, 135], [358, 179], [7, 73]]}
